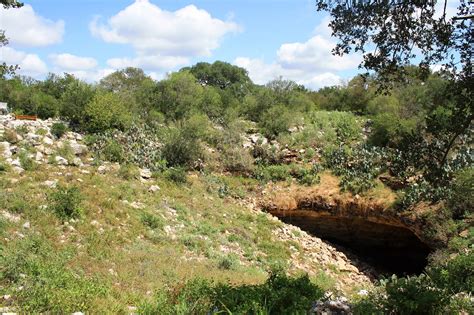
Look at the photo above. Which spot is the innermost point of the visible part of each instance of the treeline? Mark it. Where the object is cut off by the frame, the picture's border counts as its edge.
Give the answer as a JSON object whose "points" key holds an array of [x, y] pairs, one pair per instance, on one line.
{"points": [[223, 93]]}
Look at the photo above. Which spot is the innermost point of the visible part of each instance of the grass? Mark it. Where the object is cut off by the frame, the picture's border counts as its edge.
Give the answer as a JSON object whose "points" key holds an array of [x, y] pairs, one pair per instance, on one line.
{"points": [[120, 256]]}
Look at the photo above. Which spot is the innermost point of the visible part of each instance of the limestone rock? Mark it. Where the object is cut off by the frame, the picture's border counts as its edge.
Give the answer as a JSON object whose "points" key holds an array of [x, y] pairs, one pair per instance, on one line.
{"points": [[153, 188], [102, 169], [60, 160], [79, 149], [145, 173]]}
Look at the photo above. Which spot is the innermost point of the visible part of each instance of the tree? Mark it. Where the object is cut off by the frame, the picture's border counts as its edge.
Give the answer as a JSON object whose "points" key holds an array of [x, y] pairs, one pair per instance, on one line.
{"points": [[389, 32], [128, 79], [4, 68], [107, 111]]}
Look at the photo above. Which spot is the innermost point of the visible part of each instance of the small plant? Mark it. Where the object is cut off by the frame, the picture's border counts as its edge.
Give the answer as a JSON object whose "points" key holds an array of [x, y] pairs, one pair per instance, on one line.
{"points": [[66, 151], [58, 130], [228, 262], [66, 202], [273, 173], [128, 171], [113, 151], [152, 221], [177, 175], [42, 132], [26, 162]]}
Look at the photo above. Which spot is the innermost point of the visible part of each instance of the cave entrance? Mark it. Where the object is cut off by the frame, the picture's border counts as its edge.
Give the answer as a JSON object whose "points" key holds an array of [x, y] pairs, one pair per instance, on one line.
{"points": [[388, 249]]}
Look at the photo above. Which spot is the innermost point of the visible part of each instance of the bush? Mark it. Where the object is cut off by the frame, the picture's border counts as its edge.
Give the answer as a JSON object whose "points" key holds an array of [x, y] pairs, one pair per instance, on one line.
{"points": [[358, 167], [237, 159], [113, 151], [306, 176], [273, 173], [27, 163], [48, 285], [176, 175], [181, 149], [152, 221], [58, 129], [66, 202], [276, 120], [128, 171], [280, 294], [107, 111]]}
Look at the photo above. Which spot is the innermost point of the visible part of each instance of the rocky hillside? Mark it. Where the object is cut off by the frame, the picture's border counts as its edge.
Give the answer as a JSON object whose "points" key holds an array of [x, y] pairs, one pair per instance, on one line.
{"points": [[115, 235]]}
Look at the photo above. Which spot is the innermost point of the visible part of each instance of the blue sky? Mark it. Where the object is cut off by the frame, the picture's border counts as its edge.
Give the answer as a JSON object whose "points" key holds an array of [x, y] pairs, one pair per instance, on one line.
{"points": [[91, 38]]}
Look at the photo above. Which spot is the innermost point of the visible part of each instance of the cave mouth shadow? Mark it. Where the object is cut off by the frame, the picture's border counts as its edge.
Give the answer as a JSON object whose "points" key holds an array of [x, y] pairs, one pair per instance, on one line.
{"points": [[386, 248]]}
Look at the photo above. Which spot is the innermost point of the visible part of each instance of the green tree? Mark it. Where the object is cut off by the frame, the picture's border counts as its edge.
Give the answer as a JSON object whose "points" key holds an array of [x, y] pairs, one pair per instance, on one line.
{"points": [[395, 28], [179, 95], [4, 68], [76, 96], [107, 111]]}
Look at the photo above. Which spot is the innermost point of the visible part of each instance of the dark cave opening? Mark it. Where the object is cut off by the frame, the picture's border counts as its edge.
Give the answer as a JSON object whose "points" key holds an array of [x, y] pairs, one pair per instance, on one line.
{"points": [[388, 249]]}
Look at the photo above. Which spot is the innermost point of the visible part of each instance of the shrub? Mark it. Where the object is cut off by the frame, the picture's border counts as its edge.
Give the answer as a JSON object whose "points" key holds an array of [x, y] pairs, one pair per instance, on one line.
{"points": [[107, 111], [113, 151], [66, 151], [26, 162], [176, 175], [273, 173], [66, 202], [58, 129], [276, 120], [152, 221], [358, 167], [228, 262], [280, 294], [128, 171], [181, 149], [236, 159], [306, 176]]}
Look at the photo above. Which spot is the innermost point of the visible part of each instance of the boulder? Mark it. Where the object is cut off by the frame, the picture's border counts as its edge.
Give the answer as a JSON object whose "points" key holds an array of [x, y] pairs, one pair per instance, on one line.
{"points": [[79, 149], [39, 156], [77, 162], [60, 160], [48, 141], [145, 173], [154, 188]]}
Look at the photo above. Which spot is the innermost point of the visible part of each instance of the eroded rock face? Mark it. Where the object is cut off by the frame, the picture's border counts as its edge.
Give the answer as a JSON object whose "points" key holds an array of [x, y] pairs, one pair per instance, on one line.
{"points": [[392, 249], [386, 240]]}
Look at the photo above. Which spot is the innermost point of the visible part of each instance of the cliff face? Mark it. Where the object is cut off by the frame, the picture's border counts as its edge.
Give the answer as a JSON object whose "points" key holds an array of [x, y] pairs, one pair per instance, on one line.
{"points": [[368, 227]]}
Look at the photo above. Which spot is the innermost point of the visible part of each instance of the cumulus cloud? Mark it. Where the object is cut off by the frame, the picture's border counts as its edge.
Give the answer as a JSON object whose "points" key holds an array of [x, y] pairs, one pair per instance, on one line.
{"points": [[162, 39], [148, 62], [30, 64], [25, 28], [310, 63], [71, 62]]}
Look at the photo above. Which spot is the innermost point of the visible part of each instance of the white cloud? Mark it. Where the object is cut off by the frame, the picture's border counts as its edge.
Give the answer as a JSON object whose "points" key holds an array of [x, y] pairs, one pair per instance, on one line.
{"points": [[148, 62], [30, 64], [94, 75], [71, 62], [310, 63], [24, 27], [187, 32]]}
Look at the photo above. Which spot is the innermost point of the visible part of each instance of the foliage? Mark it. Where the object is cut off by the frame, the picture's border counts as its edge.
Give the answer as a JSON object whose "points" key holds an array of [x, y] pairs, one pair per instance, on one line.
{"points": [[128, 171], [107, 111], [152, 221], [441, 290], [27, 163], [66, 202], [280, 294], [358, 167], [275, 120], [58, 130], [48, 285], [76, 96], [176, 175], [113, 151]]}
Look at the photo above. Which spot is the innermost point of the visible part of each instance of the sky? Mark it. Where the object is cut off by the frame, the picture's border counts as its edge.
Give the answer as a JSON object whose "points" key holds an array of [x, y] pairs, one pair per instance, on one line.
{"points": [[93, 38]]}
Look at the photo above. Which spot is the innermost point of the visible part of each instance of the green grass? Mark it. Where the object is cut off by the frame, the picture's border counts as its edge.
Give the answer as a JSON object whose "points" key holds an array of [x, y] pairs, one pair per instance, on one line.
{"points": [[113, 255]]}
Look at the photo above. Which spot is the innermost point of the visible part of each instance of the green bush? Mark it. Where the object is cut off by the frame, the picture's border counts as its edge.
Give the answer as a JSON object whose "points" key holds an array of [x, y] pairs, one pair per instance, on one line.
{"points": [[58, 130], [275, 120], [48, 285], [181, 149], [66, 202], [176, 175], [306, 176], [280, 294], [152, 221], [128, 171], [107, 111], [237, 159], [273, 173], [27, 163], [113, 151]]}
